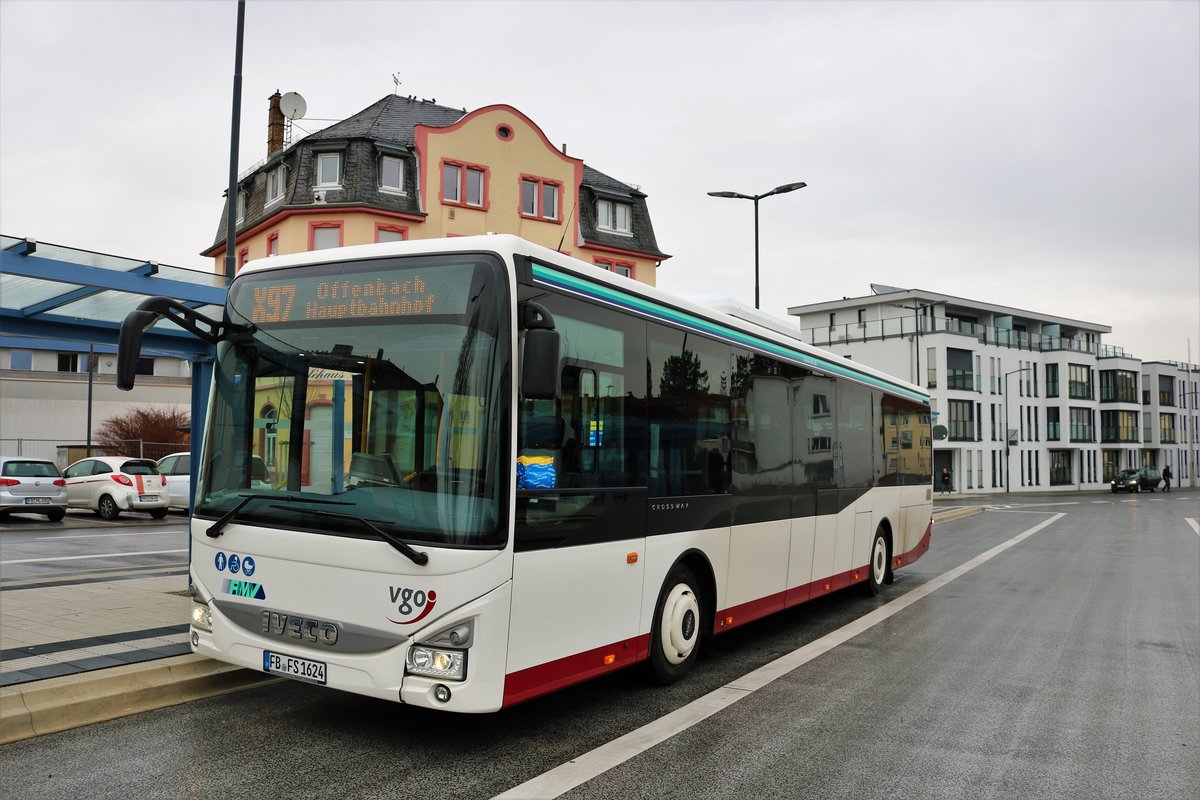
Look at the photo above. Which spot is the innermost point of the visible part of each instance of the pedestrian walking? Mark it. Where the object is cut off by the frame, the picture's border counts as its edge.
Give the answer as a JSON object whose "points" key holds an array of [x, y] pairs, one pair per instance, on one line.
{"points": [[945, 480], [1167, 478]]}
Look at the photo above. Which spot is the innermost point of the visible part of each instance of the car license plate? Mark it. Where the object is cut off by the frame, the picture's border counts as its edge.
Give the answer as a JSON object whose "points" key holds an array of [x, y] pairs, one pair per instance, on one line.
{"points": [[148, 498], [37, 500], [299, 668]]}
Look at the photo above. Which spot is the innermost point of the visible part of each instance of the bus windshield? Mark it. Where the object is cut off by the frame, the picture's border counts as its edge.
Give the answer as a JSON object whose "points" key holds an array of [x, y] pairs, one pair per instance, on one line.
{"points": [[377, 390]]}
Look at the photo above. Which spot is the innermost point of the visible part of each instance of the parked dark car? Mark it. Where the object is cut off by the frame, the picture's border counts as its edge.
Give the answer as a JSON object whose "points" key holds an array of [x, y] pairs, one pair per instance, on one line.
{"points": [[1136, 480]]}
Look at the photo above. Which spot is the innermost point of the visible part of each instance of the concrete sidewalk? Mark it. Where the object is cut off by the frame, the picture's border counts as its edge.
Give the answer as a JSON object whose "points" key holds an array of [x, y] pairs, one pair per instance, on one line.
{"points": [[80, 653]]}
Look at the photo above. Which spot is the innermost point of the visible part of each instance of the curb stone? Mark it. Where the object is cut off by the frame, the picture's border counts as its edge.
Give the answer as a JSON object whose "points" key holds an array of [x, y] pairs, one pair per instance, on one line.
{"points": [[72, 701]]}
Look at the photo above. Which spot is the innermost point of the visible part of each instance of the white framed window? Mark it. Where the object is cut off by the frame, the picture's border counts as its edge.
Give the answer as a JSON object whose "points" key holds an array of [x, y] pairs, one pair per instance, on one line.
{"points": [[275, 185], [464, 185], [451, 183], [241, 206], [539, 198], [329, 169], [391, 174], [474, 187], [613, 216], [325, 235], [273, 244]]}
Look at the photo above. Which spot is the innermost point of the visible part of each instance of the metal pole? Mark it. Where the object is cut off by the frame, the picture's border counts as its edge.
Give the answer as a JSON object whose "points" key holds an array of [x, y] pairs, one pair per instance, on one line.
{"points": [[235, 127], [756, 305], [1007, 455], [91, 372], [917, 339]]}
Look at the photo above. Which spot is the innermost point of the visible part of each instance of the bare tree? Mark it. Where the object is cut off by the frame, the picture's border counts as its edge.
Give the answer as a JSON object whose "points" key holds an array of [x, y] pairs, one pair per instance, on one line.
{"points": [[149, 432]]}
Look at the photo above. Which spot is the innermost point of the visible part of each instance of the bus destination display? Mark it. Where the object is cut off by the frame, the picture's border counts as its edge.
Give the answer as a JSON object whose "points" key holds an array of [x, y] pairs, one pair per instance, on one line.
{"points": [[362, 295]]}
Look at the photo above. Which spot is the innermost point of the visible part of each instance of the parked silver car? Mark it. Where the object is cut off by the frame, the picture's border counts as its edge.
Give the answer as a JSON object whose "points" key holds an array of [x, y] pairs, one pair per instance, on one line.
{"points": [[177, 469], [31, 486]]}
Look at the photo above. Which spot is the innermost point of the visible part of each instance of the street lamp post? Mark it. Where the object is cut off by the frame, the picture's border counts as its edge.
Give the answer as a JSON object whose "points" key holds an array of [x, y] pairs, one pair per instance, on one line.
{"points": [[784, 189], [917, 309], [1007, 444]]}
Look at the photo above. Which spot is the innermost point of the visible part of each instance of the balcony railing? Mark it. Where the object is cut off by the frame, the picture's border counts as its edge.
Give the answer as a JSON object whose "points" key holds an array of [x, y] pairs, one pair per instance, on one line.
{"points": [[826, 335]]}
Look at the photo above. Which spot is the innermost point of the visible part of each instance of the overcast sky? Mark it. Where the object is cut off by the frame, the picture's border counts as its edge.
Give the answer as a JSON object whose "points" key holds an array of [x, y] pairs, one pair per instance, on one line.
{"points": [[1034, 154]]}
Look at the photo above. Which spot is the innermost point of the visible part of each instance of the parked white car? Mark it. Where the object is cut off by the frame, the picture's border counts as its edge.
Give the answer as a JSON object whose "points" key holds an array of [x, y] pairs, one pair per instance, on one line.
{"points": [[31, 486], [177, 469], [111, 484]]}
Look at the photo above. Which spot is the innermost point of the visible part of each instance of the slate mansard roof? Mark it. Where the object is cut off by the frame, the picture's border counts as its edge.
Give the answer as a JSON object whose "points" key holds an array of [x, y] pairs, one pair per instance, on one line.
{"points": [[387, 127]]}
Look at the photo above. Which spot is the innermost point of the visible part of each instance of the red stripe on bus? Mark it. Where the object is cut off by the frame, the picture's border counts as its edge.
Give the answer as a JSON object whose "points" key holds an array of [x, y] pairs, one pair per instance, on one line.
{"points": [[553, 675]]}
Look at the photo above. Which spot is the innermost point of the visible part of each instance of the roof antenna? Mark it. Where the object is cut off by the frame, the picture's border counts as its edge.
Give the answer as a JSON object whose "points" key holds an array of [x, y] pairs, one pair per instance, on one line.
{"points": [[396, 80], [567, 225]]}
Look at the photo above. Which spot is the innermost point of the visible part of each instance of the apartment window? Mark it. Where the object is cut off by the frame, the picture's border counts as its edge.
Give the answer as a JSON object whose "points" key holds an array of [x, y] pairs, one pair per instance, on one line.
{"points": [[1079, 383], [931, 368], [464, 184], [329, 169], [1118, 386], [1166, 390], [145, 366], [273, 243], [540, 198], [242, 257], [391, 174], [390, 233], [324, 235], [958, 368], [1060, 467], [1166, 428], [962, 420], [623, 268], [68, 362], [613, 216], [275, 185], [1052, 380], [1081, 425], [241, 206], [1053, 424], [1118, 426], [862, 318]]}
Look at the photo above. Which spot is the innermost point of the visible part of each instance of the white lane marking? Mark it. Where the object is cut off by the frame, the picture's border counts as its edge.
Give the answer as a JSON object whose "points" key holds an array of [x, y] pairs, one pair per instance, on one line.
{"points": [[565, 777], [1195, 525], [101, 535], [98, 555]]}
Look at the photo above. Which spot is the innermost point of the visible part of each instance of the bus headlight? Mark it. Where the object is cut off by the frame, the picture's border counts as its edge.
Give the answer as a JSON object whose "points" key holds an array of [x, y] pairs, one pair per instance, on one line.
{"points": [[434, 662], [201, 616]]}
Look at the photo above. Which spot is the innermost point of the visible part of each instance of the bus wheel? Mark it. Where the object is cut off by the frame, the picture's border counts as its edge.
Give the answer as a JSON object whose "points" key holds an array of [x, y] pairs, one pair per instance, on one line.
{"points": [[880, 569], [675, 636]]}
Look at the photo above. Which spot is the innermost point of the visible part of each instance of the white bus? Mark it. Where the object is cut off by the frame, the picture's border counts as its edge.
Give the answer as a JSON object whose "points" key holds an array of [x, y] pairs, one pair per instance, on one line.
{"points": [[461, 473]]}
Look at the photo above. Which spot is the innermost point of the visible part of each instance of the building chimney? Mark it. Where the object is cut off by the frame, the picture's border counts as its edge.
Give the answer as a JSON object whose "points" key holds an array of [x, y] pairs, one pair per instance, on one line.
{"points": [[274, 125]]}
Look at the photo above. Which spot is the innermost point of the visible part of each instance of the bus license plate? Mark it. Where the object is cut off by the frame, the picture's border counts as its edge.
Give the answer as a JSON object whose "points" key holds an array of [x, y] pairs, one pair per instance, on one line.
{"points": [[301, 669]]}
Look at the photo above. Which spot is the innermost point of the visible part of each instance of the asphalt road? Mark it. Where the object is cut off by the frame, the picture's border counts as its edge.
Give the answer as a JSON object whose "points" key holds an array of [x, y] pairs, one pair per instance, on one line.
{"points": [[1049, 649]]}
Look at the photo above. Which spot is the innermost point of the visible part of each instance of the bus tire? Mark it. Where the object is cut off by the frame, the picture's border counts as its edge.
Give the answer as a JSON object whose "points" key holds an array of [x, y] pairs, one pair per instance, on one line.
{"points": [[675, 634], [879, 571]]}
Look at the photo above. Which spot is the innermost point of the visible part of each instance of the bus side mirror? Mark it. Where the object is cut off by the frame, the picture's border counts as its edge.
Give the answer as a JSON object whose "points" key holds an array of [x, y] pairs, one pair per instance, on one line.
{"points": [[539, 365], [129, 345]]}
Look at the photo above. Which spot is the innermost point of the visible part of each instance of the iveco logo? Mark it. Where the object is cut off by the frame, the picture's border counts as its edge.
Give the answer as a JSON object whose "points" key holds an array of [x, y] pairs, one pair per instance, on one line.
{"points": [[312, 630]]}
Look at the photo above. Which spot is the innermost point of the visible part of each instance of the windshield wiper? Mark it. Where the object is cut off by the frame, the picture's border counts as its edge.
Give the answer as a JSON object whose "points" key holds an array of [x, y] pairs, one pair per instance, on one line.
{"points": [[416, 556], [217, 527]]}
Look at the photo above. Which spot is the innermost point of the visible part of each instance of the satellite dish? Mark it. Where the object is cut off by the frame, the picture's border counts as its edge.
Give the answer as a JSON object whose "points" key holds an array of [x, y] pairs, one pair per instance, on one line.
{"points": [[293, 106], [940, 433]]}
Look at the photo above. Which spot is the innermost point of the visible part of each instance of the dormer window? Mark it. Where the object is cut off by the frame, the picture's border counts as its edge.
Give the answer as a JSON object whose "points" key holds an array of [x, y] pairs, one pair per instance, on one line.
{"points": [[329, 169], [391, 174], [241, 207], [275, 185], [613, 216]]}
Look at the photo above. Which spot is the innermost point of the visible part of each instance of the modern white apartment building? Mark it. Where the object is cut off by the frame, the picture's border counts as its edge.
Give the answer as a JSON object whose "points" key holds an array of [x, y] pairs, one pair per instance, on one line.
{"points": [[1022, 400]]}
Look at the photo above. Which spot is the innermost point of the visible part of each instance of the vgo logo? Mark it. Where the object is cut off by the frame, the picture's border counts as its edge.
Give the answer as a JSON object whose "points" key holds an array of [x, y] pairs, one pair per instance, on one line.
{"points": [[408, 601]]}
